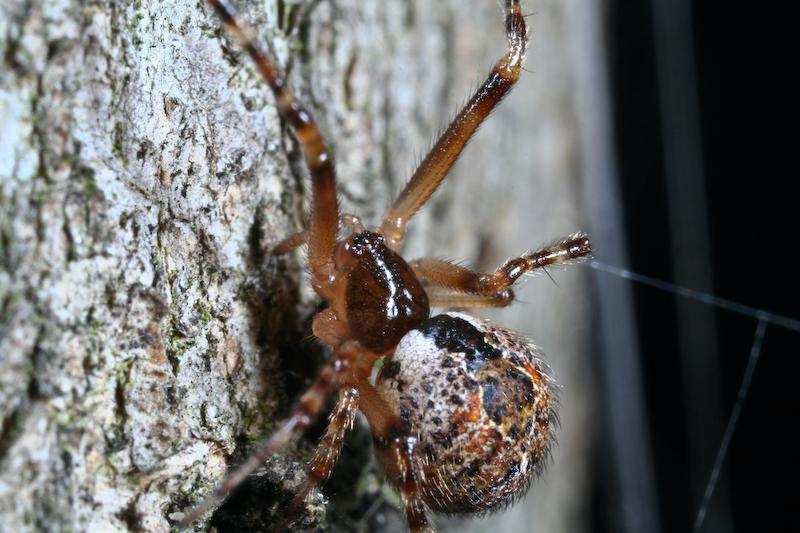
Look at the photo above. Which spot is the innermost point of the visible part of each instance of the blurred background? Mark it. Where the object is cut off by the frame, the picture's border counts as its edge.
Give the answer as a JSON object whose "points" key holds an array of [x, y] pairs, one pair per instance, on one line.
{"points": [[701, 110]]}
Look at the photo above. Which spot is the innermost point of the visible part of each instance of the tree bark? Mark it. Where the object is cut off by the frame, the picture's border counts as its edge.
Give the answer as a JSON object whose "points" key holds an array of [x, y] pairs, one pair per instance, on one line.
{"points": [[147, 336]]}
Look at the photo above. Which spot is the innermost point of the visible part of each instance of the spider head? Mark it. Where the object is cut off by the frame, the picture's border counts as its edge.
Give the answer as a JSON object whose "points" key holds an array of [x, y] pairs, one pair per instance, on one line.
{"points": [[364, 243], [383, 299]]}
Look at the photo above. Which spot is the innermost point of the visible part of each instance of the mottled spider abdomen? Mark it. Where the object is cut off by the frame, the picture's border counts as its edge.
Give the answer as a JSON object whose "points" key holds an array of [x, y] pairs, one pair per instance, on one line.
{"points": [[479, 400]]}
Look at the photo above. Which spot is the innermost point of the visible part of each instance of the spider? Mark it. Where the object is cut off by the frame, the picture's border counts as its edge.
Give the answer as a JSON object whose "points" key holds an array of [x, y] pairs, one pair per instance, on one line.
{"points": [[462, 411]]}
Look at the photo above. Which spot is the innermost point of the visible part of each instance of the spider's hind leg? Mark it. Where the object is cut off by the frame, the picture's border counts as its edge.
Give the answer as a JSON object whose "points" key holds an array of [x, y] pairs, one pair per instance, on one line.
{"points": [[328, 450], [398, 451], [305, 412]]}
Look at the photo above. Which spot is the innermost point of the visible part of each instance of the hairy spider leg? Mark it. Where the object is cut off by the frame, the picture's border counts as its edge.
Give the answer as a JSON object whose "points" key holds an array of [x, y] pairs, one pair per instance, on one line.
{"points": [[392, 437], [328, 449], [453, 299], [295, 240], [436, 165], [456, 286], [306, 410], [323, 225]]}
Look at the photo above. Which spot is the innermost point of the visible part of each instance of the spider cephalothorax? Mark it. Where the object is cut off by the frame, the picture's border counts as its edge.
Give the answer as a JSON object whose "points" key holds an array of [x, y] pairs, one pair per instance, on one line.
{"points": [[382, 297], [462, 411]]}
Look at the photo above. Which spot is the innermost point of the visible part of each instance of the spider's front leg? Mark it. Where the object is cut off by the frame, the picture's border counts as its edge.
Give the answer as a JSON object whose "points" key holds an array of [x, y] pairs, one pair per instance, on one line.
{"points": [[451, 285], [436, 165], [323, 224]]}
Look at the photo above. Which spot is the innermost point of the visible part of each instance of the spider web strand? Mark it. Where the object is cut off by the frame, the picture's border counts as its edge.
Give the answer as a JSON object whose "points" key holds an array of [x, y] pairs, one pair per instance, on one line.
{"points": [[700, 296], [744, 388]]}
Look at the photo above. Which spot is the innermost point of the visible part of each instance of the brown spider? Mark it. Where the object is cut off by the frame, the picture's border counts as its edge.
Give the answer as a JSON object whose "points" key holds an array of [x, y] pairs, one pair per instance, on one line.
{"points": [[462, 411]]}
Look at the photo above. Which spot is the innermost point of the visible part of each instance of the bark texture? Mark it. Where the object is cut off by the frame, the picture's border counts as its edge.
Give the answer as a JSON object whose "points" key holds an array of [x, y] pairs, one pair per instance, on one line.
{"points": [[146, 334]]}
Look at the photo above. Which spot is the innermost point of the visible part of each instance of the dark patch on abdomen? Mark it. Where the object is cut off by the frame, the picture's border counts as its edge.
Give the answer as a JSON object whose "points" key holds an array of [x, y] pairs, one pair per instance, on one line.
{"points": [[456, 335], [521, 389], [390, 370], [493, 402]]}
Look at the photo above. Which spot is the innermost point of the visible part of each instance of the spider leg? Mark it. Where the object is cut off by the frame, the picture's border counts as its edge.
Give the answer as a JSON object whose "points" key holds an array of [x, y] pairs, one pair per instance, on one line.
{"points": [[328, 450], [323, 225], [434, 168], [456, 286], [295, 240], [452, 299], [306, 410], [329, 329], [405, 465]]}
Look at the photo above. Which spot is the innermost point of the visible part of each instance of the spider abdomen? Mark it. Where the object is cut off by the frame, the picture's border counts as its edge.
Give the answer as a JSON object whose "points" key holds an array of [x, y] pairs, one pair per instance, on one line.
{"points": [[478, 399]]}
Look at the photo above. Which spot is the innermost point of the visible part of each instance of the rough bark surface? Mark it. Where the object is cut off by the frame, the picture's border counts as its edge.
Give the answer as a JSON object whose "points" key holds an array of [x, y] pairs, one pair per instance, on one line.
{"points": [[147, 337]]}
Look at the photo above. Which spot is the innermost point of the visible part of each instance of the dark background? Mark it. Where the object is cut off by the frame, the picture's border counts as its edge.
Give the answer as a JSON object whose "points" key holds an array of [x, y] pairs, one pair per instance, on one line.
{"points": [[744, 114]]}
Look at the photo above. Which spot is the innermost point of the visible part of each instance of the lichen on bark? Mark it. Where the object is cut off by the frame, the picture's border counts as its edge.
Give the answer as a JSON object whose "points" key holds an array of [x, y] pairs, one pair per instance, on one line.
{"points": [[147, 336]]}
